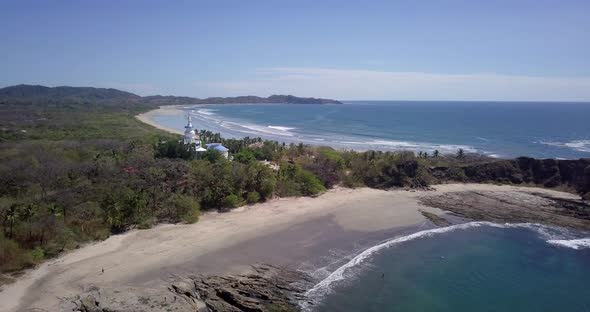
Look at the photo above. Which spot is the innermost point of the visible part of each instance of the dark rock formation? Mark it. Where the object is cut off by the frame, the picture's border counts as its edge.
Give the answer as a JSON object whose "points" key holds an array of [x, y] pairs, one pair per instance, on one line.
{"points": [[514, 207], [434, 218], [573, 175], [267, 288]]}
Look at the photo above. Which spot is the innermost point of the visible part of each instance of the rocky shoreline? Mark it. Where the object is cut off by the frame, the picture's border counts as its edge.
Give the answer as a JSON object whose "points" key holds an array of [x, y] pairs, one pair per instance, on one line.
{"points": [[514, 207], [266, 288]]}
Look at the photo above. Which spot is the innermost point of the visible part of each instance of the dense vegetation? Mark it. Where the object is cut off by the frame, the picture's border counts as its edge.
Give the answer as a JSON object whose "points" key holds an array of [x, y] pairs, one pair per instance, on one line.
{"points": [[80, 167], [76, 166]]}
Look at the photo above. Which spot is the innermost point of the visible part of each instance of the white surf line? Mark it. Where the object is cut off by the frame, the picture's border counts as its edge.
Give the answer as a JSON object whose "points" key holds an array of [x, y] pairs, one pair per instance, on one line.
{"points": [[577, 244]]}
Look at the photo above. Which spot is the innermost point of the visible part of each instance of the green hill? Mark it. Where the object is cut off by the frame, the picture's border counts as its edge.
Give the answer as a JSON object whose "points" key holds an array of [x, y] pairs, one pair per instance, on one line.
{"points": [[42, 94]]}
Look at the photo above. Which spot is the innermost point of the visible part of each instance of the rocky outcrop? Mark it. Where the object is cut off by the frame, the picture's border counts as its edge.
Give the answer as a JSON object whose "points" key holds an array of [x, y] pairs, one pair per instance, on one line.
{"points": [[514, 207], [434, 218], [266, 288], [571, 175]]}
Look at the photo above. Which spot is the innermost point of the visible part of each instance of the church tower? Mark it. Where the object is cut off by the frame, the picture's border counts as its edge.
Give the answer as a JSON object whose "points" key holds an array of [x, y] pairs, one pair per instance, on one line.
{"points": [[190, 136]]}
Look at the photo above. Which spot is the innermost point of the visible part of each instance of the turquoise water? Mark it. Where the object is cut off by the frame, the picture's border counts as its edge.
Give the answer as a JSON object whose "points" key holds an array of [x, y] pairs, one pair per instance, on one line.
{"points": [[480, 268], [542, 130]]}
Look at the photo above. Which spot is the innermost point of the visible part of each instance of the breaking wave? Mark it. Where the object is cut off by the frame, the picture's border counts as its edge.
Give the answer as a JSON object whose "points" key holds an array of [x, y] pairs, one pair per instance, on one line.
{"points": [[281, 128], [580, 243], [407, 145], [553, 235], [207, 118], [577, 145], [206, 111], [260, 130]]}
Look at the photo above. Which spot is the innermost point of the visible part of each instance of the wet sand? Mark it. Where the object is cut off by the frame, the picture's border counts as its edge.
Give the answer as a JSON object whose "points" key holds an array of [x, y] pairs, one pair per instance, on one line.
{"points": [[164, 110]]}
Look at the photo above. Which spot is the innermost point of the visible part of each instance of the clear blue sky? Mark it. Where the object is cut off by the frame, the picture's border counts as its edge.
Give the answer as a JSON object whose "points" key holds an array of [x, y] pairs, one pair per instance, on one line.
{"points": [[435, 49]]}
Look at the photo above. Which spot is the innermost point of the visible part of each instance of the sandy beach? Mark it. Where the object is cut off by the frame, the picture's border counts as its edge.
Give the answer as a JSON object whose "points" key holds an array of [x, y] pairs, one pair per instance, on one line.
{"points": [[300, 233], [163, 110]]}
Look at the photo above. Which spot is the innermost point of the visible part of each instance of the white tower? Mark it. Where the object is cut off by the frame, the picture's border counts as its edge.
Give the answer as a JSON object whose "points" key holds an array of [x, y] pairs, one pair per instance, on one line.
{"points": [[189, 132], [190, 136]]}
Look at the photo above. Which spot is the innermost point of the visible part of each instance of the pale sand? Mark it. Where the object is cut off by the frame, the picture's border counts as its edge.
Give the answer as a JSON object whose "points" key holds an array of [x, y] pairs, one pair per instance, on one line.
{"points": [[163, 110], [283, 231]]}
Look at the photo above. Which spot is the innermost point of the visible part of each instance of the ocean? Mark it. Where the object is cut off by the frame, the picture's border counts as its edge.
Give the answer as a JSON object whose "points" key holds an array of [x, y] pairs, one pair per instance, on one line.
{"points": [[476, 266], [496, 129]]}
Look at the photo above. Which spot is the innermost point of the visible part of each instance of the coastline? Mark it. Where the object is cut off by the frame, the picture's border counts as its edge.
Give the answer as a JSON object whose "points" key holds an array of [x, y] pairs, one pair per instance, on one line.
{"points": [[311, 234], [147, 117], [371, 133]]}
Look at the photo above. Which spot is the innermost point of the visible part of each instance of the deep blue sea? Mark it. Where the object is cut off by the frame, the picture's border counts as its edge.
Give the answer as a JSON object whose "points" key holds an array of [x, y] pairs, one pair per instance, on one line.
{"points": [[476, 266], [498, 129]]}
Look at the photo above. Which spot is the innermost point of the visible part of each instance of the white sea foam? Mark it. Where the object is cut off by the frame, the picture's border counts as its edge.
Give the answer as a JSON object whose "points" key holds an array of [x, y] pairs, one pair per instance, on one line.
{"points": [[553, 235], [206, 111], [406, 145], [281, 128], [579, 243], [578, 145], [260, 130]]}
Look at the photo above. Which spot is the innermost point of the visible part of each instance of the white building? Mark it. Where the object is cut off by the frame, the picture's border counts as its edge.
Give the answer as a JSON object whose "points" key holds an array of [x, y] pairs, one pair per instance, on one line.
{"points": [[220, 148], [192, 137]]}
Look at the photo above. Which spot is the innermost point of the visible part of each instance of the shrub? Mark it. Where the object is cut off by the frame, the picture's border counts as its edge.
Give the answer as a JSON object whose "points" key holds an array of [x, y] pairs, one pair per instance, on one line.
{"points": [[296, 181], [268, 188], [456, 173], [327, 166], [245, 156], [192, 216], [38, 254], [213, 156], [12, 257], [185, 208], [144, 224], [253, 197], [311, 185], [231, 201]]}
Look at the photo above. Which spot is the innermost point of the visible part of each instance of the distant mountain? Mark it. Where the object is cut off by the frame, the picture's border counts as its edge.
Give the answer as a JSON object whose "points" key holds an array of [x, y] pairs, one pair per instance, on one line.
{"points": [[74, 94], [273, 99], [38, 94]]}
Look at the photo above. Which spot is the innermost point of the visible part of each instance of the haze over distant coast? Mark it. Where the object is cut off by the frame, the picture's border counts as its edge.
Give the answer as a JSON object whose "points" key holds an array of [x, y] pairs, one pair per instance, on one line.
{"points": [[33, 93]]}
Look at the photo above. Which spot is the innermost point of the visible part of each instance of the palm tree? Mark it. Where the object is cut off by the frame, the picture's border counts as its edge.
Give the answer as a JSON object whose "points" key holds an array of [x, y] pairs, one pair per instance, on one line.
{"points": [[435, 153], [460, 153]]}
